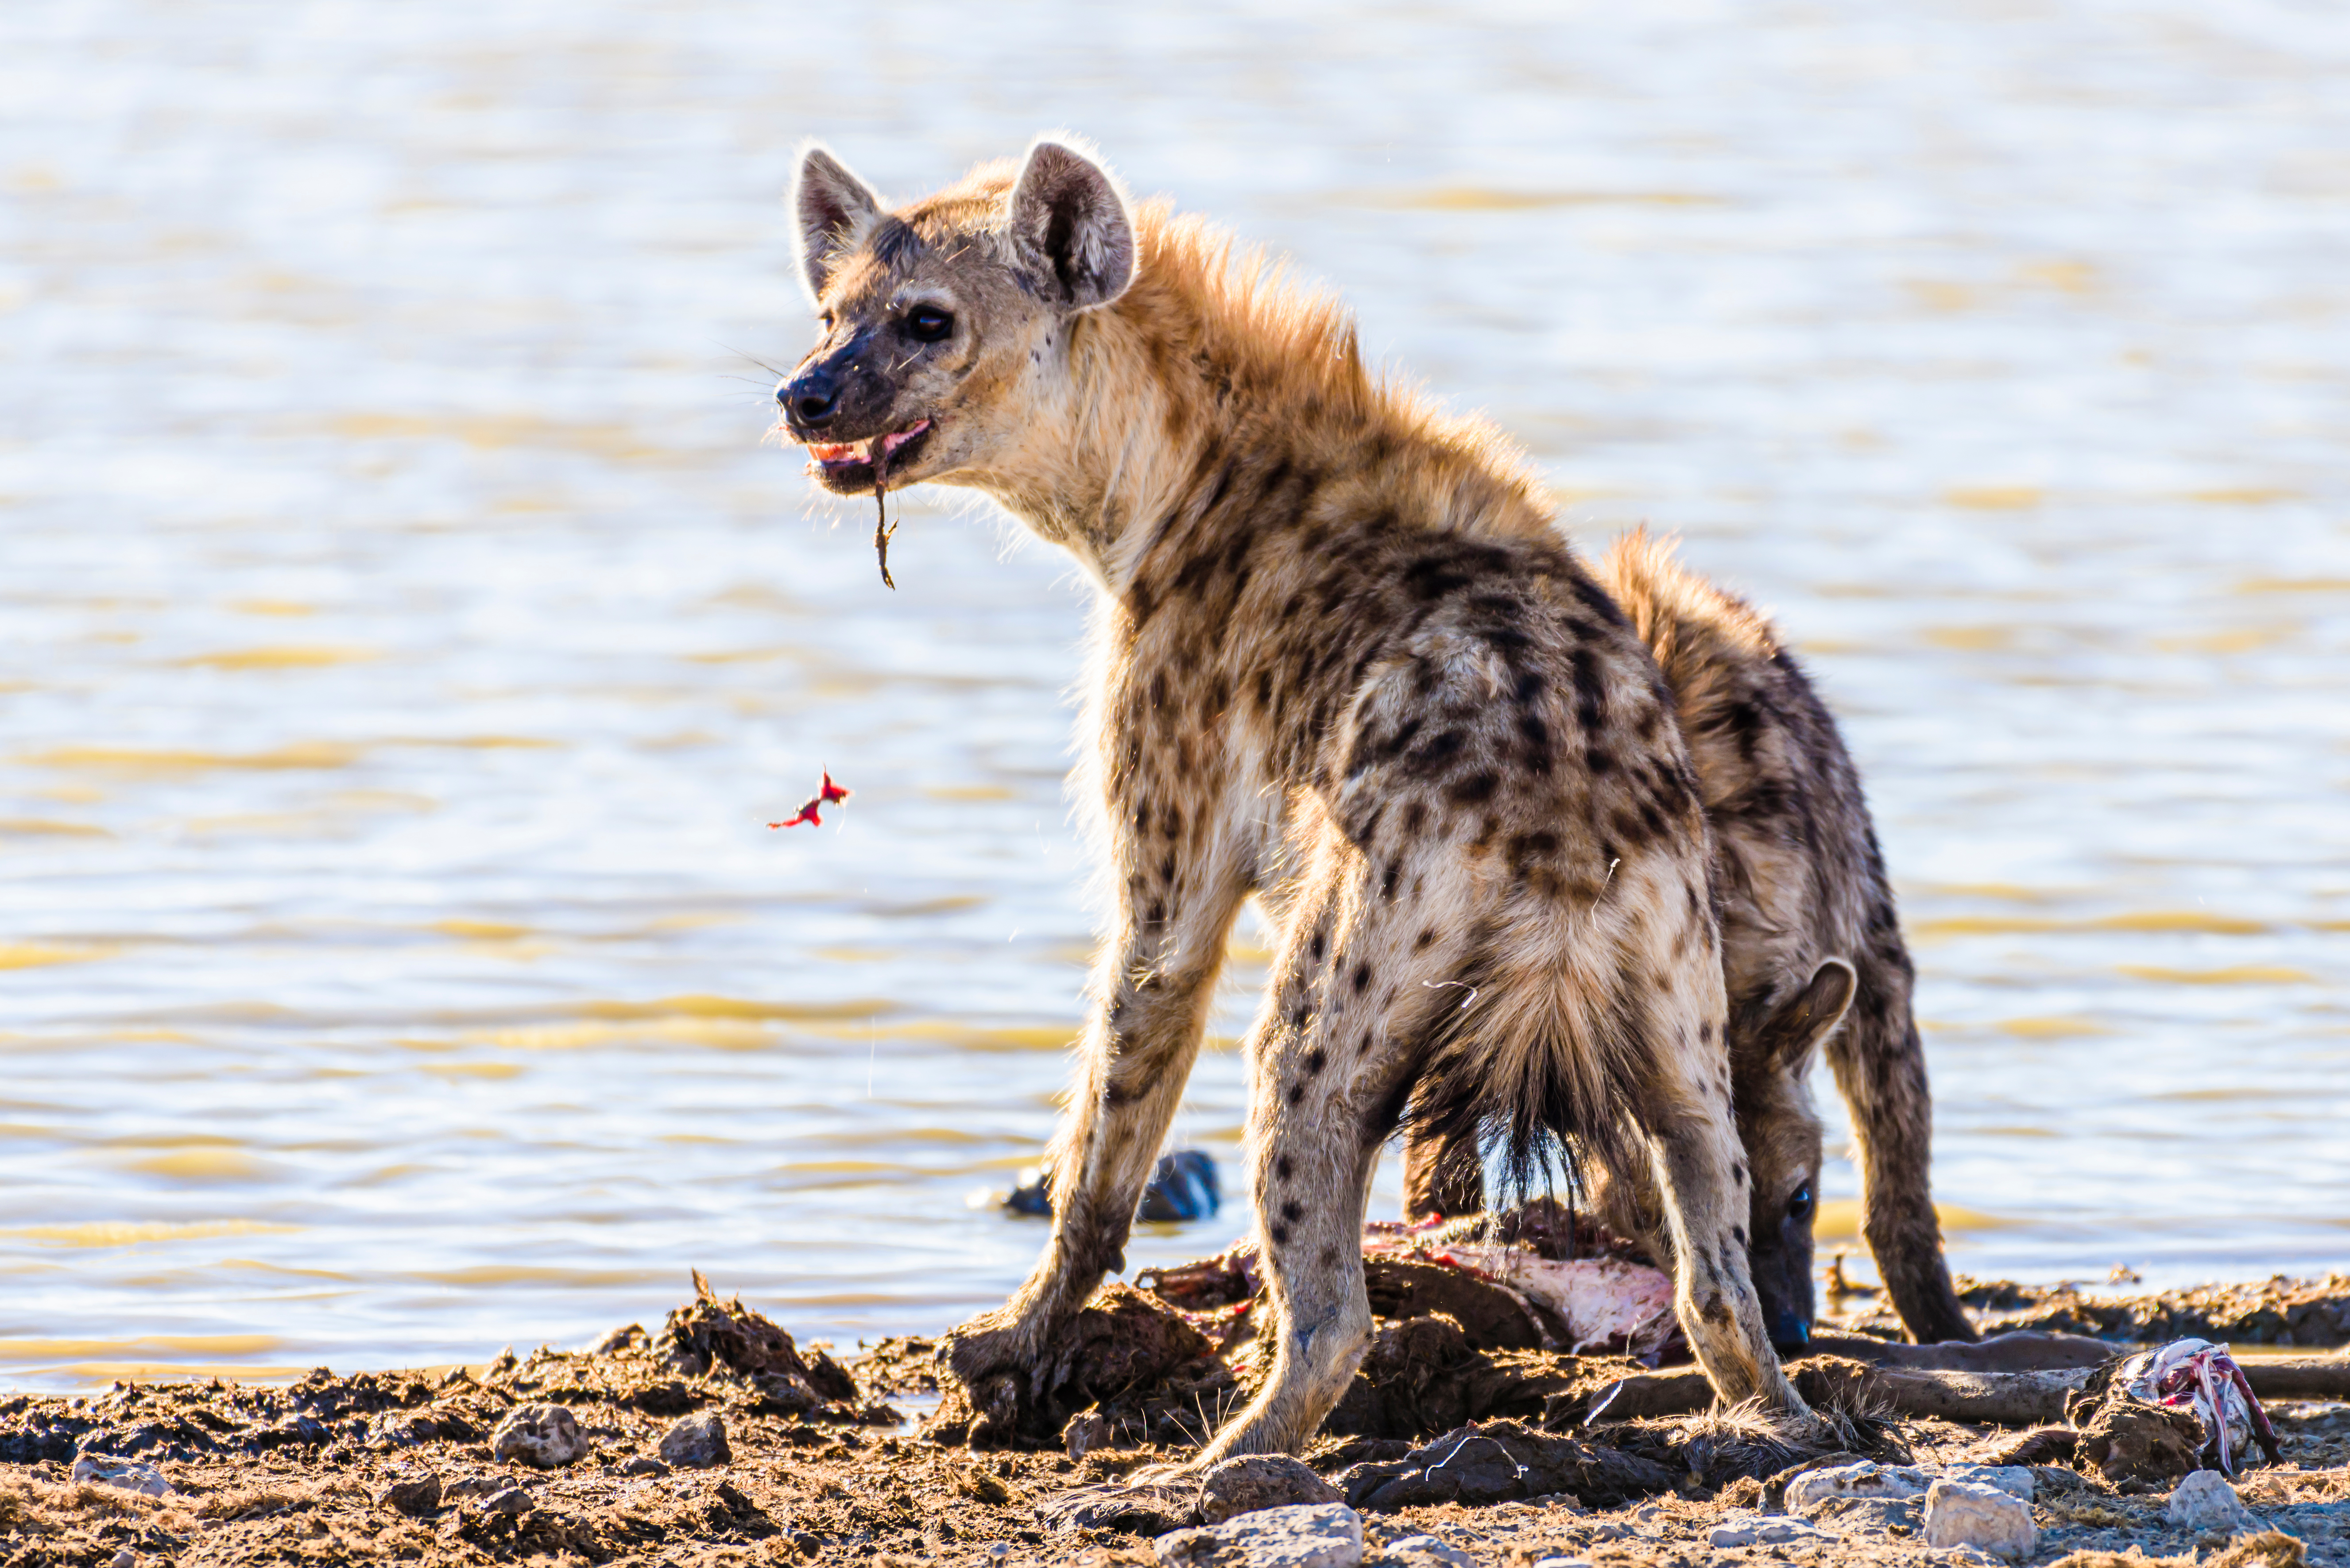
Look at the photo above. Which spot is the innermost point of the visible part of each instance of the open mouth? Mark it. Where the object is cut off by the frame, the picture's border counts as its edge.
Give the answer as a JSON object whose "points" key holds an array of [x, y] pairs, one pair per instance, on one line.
{"points": [[850, 466]]}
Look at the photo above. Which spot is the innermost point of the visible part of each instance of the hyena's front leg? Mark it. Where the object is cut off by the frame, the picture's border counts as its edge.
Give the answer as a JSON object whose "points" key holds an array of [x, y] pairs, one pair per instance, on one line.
{"points": [[1702, 1185], [1134, 1061]]}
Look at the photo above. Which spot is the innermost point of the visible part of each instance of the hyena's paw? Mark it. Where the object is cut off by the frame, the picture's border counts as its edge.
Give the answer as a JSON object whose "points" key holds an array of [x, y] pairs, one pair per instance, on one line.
{"points": [[996, 1359]]}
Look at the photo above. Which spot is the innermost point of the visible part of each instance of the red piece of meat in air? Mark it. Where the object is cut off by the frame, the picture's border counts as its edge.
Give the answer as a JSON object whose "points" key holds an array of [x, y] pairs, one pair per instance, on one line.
{"points": [[828, 793]]}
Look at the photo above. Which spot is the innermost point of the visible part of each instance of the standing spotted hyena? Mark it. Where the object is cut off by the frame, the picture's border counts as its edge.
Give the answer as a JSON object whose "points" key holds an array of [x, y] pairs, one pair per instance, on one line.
{"points": [[1809, 941], [1343, 662]]}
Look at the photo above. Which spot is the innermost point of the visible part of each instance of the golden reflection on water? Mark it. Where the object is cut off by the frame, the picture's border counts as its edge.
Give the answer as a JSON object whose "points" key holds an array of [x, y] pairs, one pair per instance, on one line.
{"points": [[409, 637]]}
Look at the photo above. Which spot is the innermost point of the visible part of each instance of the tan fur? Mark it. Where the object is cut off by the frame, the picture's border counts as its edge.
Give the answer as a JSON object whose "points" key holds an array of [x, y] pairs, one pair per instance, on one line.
{"points": [[1343, 662], [1800, 884]]}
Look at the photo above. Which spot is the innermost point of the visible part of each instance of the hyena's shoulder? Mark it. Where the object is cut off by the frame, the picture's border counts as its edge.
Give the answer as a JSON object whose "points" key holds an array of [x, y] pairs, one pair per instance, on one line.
{"points": [[1799, 876]]}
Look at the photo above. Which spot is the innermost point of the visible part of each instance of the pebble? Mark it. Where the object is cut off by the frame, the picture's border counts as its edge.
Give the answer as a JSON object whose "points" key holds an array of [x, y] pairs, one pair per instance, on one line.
{"points": [[1865, 1479], [696, 1442], [1765, 1532], [2016, 1480], [2205, 1501], [1327, 1535], [415, 1496], [545, 1435], [1086, 1430], [509, 1500], [1420, 1552], [1251, 1483], [641, 1465], [128, 1474], [1967, 1513]]}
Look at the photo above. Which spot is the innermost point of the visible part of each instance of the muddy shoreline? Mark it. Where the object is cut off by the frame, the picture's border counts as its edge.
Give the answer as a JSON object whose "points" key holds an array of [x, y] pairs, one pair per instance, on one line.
{"points": [[718, 1439]]}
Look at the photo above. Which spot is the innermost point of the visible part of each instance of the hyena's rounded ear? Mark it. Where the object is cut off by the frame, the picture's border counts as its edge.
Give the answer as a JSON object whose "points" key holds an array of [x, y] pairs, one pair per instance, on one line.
{"points": [[1812, 1014], [1072, 228], [834, 208]]}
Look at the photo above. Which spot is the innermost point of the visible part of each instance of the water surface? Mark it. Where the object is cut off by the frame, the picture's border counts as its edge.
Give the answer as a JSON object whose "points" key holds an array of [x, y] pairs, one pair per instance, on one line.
{"points": [[404, 637]]}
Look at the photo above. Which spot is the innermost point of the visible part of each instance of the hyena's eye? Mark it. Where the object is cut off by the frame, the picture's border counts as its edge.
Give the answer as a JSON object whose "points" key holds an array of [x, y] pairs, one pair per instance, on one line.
{"points": [[928, 324], [1799, 1206]]}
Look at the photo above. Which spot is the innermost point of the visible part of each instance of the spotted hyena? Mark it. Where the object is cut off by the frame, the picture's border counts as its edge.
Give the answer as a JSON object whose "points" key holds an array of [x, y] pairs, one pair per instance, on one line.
{"points": [[1343, 662], [1809, 941]]}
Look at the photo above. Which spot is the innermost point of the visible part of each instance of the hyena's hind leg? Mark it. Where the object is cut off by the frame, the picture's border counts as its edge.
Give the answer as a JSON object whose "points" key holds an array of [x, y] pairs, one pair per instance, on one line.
{"points": [[1880, 1069], [1441, 1176], [1355, 987]]}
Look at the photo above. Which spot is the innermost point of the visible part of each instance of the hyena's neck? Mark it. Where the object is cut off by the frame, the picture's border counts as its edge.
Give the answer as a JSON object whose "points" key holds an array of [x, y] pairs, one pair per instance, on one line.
{"points": [[1184, 396]]}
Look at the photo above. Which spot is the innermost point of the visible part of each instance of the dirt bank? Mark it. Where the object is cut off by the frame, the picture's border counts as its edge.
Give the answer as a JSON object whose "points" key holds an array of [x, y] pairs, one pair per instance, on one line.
{"points": [[811, 1461]]}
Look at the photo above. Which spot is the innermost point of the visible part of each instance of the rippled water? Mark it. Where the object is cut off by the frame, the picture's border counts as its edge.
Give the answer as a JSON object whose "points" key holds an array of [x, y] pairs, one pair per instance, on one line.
{"points": [[403, 636]]}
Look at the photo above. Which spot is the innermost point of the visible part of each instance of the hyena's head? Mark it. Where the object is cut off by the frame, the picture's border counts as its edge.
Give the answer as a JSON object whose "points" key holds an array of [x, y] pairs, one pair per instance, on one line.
{"points": [[1781, 1130], [946, 322]]}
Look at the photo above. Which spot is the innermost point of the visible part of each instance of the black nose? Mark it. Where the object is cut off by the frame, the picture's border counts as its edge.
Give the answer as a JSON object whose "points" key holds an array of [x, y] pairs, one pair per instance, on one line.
{"points": [[1791, 1334], [811, 399]]}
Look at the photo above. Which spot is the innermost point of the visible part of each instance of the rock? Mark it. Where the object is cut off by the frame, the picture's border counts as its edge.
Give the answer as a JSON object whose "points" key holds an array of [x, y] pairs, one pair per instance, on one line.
{"points": [[2205, 1501], [1086, 1430], [641, 1465], [625, 1337], [506, 1499], [1865, 1479], [1764, 1532], [2016, 1480], [1503, 1461], [1420, 1552], [415, 1496], [1183, 1187], [545, 1435], [1876, 1515], [1253, 1482], [696, 1442], [1140, 1508], [104, 1469], [1327, 1535], [1966, 1514], [463, 1487]]}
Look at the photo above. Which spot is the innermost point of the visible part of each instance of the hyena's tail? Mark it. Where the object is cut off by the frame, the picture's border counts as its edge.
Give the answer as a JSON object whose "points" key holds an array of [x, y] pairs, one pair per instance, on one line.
{"points": [[1534, 1070]]}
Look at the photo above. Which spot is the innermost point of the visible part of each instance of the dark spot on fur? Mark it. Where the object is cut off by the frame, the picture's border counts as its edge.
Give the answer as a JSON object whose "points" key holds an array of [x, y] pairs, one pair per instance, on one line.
{"points": [[1292, 1211], [1474, 790], [1362, 976], [1315, 1062], [1278, 1234]]}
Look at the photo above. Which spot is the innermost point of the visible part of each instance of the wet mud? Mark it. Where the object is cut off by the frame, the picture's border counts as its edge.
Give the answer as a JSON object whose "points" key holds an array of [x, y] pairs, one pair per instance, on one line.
{"points": [[720, 1439]]}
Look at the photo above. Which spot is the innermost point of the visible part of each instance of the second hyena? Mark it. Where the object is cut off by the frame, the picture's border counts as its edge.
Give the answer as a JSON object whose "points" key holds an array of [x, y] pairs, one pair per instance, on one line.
{"points": [[1809, 941], [1343, 662]]}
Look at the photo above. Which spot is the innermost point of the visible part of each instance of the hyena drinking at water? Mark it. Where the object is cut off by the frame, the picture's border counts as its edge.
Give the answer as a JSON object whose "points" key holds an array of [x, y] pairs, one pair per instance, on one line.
{"points": [[1809, 941], [1345, 662]]}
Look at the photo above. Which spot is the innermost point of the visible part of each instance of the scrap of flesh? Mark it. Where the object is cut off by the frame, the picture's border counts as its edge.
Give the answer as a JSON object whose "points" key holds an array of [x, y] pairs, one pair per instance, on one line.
{"points": [[1606, 1304], [2199, 1375], [827, 793]]}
